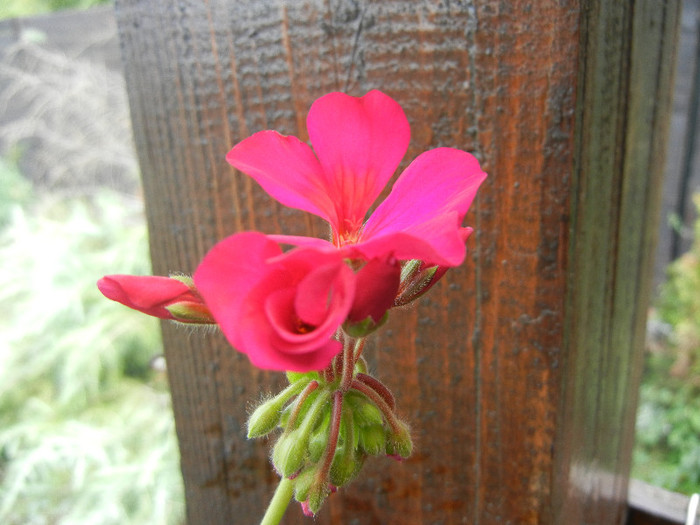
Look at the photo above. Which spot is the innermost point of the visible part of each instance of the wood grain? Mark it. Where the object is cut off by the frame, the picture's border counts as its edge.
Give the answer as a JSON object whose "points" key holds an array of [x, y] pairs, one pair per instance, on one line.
{"points": [[519, 371]]}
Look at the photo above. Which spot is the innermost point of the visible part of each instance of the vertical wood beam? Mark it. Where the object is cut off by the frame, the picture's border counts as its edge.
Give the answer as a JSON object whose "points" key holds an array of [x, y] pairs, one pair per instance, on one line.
{"points": [[519, 371]]}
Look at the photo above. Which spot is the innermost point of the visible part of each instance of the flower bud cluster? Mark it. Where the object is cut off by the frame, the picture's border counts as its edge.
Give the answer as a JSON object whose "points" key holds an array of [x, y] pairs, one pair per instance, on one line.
{"points": [[331, 423]]}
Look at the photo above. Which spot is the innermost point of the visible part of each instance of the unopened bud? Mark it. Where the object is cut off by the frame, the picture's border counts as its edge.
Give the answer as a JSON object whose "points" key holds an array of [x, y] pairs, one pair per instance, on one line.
{"points": [[319, 440], [289, 453], [346, 464], [365, 412], [302, 484], [398, 443], [373, 440], [267, 416]]}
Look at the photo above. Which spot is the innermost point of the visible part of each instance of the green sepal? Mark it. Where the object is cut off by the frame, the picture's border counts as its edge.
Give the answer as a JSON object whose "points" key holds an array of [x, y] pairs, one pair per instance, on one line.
{"points": [[365, 327]]}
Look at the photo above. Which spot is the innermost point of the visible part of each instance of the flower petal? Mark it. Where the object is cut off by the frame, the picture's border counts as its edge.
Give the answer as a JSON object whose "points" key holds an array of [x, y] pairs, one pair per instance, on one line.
{"points": [[147, 294], [287, 170], [427, 204], [360, 143], [228, 272]]}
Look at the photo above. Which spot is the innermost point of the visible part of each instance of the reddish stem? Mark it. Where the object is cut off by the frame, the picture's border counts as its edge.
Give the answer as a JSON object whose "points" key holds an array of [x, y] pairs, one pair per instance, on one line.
{"points": [[298, 403], [334, 432], [378, 387], [379, 401]]}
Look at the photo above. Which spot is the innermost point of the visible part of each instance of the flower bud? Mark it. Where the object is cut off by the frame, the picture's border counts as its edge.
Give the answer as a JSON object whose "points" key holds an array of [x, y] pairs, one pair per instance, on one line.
{"points": [[346, 465], [319, 440], [164, 297], [398, 443], [289, 453], [267, 416], [373, 440], [302, 484], [318, 492], [291, 449], [365, 412], [416, 279]]}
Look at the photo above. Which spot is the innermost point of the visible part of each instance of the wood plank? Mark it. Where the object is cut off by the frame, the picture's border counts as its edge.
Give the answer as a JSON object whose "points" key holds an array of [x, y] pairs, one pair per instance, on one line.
{"points": [[513, 371]]}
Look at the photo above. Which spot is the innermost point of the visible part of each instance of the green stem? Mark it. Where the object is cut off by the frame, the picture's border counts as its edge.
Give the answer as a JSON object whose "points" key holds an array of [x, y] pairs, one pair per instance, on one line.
{"points": [[279, 503]]}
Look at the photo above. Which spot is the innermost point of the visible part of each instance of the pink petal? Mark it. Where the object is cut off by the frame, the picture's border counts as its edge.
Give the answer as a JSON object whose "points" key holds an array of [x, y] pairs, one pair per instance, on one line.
{"points": [[147, 294], [427, 204], [360, 143], [228, 272], [287, 169], [377, 285]]}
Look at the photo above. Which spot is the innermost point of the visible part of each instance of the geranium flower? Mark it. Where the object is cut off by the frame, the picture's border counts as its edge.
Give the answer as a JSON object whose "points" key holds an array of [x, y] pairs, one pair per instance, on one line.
{"points": [[358, 144], [281, 309]]}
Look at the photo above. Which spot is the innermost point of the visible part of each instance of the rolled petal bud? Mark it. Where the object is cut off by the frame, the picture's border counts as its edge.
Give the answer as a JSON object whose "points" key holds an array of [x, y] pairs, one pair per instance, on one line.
{"points": [[162, 297]]}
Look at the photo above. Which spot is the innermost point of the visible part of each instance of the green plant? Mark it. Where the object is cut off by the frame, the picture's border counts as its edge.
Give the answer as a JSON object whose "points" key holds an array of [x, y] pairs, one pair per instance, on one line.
{"points": [[667, 452], [86, 430], [19, 8]]}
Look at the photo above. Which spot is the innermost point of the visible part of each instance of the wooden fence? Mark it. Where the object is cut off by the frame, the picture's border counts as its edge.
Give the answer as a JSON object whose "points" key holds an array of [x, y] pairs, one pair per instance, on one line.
{"points": [[520, 371]]}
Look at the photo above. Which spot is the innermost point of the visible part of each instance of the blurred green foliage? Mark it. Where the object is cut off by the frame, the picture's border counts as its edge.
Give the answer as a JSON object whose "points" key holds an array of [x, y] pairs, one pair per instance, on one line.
{"points": [[667, 451], [86, 430], [20, 8]]}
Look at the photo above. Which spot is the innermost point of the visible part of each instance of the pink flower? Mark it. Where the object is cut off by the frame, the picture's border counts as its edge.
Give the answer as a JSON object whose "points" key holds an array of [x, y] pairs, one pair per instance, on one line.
{"points": [[281, 309], [163, 297], [358, 144]]}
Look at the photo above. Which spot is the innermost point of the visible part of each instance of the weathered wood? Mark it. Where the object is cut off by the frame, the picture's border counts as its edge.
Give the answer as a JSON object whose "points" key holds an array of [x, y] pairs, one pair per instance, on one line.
{"points": [[519, 370], [651, 505]]}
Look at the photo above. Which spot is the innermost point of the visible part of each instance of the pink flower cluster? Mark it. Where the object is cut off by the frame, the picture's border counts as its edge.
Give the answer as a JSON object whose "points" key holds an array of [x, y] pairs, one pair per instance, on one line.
{"points": [[283, 309]]}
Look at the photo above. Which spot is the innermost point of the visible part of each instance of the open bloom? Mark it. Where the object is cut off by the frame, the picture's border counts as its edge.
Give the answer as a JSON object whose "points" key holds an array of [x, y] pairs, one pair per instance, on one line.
{"points": [[358, 144], [281, 309]]}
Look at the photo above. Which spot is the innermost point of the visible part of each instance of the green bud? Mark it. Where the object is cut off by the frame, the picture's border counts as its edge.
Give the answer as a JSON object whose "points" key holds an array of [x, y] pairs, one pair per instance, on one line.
{"points": [[346, 465], [373, 440], [291, 450], [319, 439], [399, 443], [302, 484], [415, 281], [267, 416], [365, 412], [318, 492], [289, 453]]}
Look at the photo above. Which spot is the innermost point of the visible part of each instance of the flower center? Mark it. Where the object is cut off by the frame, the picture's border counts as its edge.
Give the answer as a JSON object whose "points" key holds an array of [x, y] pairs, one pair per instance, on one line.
{"points": [[303, 328]]}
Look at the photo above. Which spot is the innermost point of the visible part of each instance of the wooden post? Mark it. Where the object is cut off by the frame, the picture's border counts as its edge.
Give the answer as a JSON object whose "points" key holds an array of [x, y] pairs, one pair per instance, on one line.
{"points": [[519, 371]]}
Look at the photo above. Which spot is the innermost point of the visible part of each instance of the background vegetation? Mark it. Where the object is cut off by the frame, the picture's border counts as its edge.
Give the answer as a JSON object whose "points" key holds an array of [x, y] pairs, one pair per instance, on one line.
{"points": [[17, 8], [667, 452], [86, 429]]}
